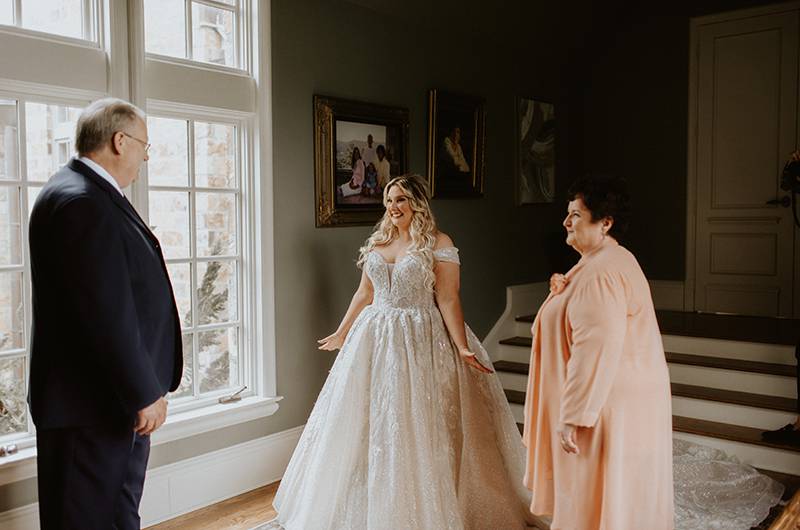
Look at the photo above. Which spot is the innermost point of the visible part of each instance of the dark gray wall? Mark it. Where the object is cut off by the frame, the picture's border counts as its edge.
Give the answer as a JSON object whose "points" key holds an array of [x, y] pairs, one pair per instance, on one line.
{"points": [[386, 56]]}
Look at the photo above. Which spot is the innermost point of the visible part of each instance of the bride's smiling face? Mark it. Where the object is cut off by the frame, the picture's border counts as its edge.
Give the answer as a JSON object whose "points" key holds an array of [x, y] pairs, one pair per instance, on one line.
{"points": [[398, 206]]}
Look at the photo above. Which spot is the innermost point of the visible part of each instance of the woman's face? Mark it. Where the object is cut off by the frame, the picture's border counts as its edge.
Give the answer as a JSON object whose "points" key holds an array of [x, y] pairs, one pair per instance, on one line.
{"points": [[456, 136], [582, 233], [356, 154], [399, 207]]}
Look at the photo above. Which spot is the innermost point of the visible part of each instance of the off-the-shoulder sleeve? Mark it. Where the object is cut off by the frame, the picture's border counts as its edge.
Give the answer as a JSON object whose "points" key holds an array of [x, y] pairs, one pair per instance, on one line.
{"points": [[448, 254], [597, 315]]}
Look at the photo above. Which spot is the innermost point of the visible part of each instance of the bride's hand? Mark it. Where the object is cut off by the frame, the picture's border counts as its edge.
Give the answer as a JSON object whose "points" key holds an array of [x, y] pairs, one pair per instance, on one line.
{"points": [[331, 342], [473, 361]]}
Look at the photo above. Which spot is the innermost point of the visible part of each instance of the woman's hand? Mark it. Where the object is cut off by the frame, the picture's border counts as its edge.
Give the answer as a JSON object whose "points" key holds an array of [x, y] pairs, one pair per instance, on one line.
{"points": [[567, 438], [472, 361], [331, 342]]}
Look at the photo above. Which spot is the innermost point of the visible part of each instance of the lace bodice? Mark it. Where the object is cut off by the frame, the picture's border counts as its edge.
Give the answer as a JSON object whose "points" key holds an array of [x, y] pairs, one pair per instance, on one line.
{"points": [[403, 286]]}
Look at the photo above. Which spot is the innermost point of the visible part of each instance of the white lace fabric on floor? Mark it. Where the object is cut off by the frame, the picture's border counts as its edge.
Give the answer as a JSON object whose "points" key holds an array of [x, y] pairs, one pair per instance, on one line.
{"points": [[404, 434], [714, 491]]}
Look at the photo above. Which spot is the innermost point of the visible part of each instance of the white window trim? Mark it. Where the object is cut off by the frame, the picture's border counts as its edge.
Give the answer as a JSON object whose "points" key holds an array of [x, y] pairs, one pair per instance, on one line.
{"points": [[93, 16], [244, 22], [260, 237], [199, 65], [248, 236], [24, 93]]}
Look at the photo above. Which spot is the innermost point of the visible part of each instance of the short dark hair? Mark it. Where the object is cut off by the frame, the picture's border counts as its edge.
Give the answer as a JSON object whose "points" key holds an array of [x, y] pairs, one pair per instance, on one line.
{"points": [[604, 196]]}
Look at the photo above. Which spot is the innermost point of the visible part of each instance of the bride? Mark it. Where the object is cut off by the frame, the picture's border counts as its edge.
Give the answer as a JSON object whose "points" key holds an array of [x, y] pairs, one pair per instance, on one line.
{"points": [[411, 430]]}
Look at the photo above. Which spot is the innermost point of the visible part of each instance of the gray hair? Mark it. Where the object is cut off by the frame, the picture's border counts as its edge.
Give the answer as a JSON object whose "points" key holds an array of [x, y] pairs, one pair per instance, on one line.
{"points": [[100, 120]]}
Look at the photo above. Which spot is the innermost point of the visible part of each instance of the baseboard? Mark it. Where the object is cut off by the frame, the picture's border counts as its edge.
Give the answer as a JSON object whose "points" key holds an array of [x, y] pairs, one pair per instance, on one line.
{"points": [[22, 518], [194, 483]]}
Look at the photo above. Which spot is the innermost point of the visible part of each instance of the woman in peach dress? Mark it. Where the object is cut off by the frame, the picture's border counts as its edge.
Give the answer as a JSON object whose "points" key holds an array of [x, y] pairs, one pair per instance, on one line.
{"points": [[598, 412]]}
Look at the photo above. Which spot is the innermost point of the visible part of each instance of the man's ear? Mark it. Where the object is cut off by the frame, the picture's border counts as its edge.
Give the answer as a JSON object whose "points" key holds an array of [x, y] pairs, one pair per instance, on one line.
{"points": [[116, 142]]}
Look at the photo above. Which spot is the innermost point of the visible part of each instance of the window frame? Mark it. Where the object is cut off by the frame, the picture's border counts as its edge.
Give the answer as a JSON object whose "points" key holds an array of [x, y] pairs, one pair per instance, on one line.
{"points": [[24, 93], [93, 26], [120, 37], [242, 22], [244, 257]]}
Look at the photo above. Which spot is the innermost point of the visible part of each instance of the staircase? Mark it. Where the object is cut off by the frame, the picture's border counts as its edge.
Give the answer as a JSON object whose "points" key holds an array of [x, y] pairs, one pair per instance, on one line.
{"points": [[732, 377]]}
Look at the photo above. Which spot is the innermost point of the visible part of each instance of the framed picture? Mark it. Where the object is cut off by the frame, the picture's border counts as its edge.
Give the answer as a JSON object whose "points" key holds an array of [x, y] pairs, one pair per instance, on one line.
{"points": [[536, 151], [456, 125], [358, 147]]}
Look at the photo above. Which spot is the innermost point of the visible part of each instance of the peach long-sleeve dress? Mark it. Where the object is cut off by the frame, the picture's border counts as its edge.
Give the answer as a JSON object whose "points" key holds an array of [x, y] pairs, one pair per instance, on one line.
{"points": [[598, 362]]}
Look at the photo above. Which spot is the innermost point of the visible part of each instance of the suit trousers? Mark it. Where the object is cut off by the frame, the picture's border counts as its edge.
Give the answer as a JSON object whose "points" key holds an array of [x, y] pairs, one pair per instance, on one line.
{"points": [[91, 478]]}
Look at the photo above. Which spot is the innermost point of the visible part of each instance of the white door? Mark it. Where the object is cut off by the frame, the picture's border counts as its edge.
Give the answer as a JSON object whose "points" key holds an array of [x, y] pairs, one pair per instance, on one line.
{"points": [[744, 99]]}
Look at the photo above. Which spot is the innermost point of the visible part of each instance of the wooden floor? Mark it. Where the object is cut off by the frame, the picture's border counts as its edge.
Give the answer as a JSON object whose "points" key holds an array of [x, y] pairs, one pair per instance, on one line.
{"points": [[238, 513], [255, 507]]}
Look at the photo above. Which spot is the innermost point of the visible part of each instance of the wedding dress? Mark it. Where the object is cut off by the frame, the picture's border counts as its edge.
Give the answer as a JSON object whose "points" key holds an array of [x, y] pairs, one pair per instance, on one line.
{"points": [[404, 434], [714, 491]]}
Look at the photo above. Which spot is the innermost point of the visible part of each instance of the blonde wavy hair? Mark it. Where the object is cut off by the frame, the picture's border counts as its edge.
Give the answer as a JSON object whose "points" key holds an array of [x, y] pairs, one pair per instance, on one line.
{"points": [[423, 225]]}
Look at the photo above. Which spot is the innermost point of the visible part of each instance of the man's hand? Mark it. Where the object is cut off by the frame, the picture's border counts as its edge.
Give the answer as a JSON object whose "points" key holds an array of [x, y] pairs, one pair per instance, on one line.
{"points": [[151, 417]]}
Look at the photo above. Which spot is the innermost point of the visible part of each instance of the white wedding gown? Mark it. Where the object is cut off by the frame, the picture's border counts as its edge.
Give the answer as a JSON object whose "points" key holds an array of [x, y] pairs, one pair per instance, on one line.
{"points": [[404, 435]]}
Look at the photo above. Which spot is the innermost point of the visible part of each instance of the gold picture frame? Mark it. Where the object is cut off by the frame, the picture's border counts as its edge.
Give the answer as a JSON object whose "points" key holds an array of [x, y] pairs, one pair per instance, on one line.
{"points": [[357, 147]]}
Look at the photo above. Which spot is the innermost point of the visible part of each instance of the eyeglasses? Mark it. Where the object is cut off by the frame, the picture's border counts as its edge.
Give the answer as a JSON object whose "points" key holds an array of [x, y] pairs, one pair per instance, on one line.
{"points": [[145, 144]]}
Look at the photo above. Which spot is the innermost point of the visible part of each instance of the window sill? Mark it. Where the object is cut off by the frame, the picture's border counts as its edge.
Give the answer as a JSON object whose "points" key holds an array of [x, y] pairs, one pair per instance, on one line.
{"points": [[190, 423], [22, 465]]}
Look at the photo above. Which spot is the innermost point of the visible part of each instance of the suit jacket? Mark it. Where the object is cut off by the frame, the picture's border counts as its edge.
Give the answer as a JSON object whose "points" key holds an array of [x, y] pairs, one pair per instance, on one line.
{"points": [[106, 338]]}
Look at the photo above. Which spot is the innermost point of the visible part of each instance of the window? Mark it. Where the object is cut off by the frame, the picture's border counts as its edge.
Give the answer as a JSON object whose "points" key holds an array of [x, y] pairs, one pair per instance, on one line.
{"points": [[46, 125], [210, 32], [198, 190], [68, 18], [194, 203]]}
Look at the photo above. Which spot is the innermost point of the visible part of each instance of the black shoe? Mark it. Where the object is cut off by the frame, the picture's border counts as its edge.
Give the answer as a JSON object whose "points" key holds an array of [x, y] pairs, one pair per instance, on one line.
{"points": [[785, 435]]}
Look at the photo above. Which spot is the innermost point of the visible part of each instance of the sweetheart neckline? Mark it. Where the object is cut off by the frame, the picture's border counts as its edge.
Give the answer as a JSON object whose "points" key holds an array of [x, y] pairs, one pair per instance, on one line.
{"points": [[404, 256], [396, 260]]}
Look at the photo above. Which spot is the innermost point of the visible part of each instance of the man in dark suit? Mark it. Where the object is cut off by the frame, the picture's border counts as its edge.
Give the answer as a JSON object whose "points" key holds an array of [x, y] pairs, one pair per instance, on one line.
{"points": [[106, 339]]}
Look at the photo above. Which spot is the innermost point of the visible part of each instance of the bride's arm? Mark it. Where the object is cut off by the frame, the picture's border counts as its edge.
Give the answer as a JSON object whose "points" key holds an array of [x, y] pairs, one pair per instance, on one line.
{"points": [[447, 298], [361, 299]]}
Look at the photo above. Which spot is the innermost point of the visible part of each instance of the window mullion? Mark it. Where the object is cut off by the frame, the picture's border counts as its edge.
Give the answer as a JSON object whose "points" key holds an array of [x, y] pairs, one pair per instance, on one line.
{"points": [[193, 283], [189, 36], [245, 364], [87, 29], [18, 13], [22, 169]]}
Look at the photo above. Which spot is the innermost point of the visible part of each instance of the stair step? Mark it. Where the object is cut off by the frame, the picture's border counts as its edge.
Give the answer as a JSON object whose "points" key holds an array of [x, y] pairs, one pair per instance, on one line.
{"points": [[726, 431], [704, 393], [706, 361], [734, 397], [515, 396], [765, 330], [731, 364], [511, 366], [524, 342]]}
